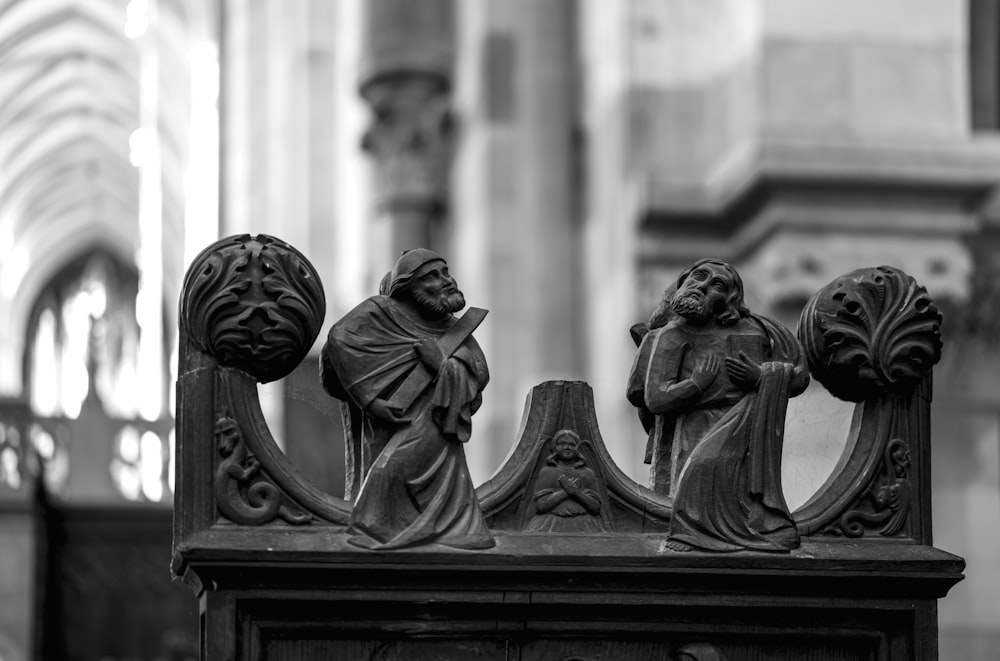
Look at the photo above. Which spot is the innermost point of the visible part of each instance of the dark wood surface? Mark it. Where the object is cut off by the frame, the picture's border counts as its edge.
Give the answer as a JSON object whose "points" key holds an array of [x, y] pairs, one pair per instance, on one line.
{"points": [[297, 593], [291, 594]]}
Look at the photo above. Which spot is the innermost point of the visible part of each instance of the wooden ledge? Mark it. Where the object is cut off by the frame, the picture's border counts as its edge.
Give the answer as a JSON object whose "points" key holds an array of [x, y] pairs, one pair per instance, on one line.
{"points": [[277, 559]]}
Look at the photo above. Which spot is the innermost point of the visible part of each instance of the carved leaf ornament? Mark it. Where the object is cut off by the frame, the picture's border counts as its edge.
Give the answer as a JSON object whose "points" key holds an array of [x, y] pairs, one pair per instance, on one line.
{"points": [[871, 331], [254, 303]]}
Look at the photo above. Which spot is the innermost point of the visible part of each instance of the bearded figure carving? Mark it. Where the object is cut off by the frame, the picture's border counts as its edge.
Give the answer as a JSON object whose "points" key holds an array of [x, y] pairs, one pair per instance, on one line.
{"points": [[712, 382], [412, 376]]}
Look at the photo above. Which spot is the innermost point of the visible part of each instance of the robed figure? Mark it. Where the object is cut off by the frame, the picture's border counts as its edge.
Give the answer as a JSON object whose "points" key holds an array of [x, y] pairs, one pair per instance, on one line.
{"points": [[412, 376], [715, 381]]}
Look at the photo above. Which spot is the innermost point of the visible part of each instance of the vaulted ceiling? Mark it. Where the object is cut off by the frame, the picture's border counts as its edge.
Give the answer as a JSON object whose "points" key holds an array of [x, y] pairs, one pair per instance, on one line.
{"points": [[69, 100], [77, 79]]}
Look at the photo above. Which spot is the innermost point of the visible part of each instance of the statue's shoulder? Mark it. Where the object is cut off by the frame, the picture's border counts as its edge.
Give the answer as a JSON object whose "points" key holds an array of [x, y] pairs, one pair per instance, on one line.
{"points": [[747, 323], [378, 302], [677, 333], [363, 319], [373, 305], [769, 326], [674, 331]]}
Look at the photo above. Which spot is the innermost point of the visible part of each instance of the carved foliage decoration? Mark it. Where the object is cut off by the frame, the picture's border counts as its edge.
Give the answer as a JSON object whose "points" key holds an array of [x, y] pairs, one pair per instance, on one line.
{"points": [[254, 303], [871, 332], [243, 492]]}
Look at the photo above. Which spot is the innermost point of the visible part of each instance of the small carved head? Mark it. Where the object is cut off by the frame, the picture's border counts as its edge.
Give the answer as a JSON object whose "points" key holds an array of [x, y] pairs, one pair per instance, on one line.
{"points": [[227, 435], [899, 454], [422, 276], [710, 288], [566, 448]]}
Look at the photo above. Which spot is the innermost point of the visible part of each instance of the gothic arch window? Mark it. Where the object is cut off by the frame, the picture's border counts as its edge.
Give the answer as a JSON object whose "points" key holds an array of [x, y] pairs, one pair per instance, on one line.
{"points": [[100, 423]]}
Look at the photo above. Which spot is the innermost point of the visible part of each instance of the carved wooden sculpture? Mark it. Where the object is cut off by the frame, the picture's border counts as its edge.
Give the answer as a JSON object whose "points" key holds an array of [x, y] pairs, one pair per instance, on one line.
{"points": [[418, 373], [510, 499], [560, 554], [872, 337], [717, 379], [567, 495], [249, 313]]}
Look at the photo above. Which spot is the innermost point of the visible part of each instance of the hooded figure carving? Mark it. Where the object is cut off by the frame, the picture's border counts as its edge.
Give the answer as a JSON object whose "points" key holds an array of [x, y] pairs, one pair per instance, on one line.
{"points": [[413, 376]]}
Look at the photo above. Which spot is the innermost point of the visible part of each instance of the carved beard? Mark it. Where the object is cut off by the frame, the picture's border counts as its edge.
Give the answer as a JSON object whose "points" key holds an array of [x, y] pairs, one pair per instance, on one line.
{"points": [[443, 304], [692, 307]]}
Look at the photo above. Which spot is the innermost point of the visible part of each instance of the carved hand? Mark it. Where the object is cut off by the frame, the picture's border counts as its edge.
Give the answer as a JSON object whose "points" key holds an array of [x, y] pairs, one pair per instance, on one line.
{"points": [[383, 411], [430, 354], [706, 370], [568, 484], [743, 372]]}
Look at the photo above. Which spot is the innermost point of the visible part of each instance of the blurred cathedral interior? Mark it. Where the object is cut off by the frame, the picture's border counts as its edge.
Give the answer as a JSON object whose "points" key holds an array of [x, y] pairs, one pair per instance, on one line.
{"points": [[568, 157]]}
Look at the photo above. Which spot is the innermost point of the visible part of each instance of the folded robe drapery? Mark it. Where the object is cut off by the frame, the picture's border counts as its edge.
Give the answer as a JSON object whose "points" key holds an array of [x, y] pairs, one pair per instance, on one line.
{"points": [[729, 494]]}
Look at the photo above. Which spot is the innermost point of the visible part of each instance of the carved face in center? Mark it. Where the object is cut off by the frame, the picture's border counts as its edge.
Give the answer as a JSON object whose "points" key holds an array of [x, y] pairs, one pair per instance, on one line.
{"points": [[703, 294], [435, 290], [567, 446]]}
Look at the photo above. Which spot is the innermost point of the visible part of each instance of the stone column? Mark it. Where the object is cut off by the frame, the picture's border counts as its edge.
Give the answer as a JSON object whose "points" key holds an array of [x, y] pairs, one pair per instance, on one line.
{"points": [[517, 194], [405, 77]]}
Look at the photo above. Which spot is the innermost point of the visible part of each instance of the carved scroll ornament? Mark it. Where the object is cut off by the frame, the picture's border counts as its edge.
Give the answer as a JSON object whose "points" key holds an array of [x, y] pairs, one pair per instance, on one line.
{"points": [[245, 495], [887, 504]]}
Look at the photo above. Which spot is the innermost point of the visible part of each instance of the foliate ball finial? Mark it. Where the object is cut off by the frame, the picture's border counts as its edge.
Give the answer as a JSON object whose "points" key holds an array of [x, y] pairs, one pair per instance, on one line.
{"points": [[254, 303], [871, 332]]}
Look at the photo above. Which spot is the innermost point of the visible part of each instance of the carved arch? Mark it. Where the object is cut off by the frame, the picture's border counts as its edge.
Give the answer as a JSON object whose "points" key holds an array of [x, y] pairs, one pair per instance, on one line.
{"points": [[552, 406]]}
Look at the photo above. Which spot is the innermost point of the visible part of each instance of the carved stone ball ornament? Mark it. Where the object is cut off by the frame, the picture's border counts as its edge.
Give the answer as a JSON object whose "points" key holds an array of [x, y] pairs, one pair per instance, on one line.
{"points": [[254, 303], [871, 331]]}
